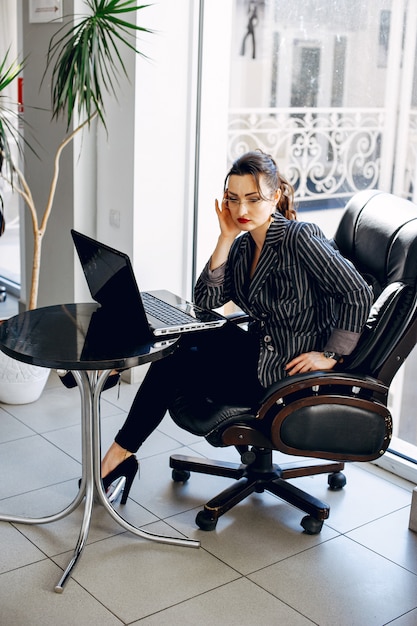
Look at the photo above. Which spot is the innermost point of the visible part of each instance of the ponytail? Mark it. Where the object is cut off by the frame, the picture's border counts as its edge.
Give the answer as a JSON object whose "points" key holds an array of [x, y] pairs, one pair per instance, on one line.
{"points": [[285, 204]]}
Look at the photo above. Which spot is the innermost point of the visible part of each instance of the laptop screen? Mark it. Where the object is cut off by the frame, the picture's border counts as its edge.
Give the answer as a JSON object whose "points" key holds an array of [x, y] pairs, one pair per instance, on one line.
{"points": [[110, 278]]}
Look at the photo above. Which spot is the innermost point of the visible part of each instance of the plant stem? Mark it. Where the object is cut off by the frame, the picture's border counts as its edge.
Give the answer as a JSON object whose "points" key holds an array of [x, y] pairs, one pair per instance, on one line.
{"points": [[23, 190], [54, 182]]}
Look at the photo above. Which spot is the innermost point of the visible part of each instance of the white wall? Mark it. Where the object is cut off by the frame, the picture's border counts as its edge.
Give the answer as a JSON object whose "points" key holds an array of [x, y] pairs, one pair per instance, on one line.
{"points": [[214, 122], [145, 167]]}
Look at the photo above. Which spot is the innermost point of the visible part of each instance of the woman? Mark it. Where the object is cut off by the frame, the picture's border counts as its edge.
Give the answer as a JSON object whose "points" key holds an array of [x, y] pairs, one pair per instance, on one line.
{"points": [[307, 307]]}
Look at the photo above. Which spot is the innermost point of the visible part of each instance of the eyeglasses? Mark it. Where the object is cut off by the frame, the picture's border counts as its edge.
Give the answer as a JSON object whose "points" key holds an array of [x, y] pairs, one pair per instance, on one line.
{"points": [[233, 203]]}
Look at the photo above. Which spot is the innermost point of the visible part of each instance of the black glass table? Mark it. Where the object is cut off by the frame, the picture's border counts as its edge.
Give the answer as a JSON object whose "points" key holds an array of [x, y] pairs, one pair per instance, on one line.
{"points": [[91, 342]]}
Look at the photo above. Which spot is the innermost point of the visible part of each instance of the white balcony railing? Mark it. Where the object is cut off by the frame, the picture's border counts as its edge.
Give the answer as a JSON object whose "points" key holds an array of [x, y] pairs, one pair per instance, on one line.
{"points": [[324, 153]]}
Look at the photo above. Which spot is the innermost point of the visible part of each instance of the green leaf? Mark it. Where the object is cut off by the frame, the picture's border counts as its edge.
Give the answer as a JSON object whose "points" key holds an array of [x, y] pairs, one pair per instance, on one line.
{"points": [[85, 58]]}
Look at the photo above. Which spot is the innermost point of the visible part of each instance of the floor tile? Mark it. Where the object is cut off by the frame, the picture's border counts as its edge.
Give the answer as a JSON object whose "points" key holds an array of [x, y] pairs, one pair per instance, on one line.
{"points": [[157, 443], [121, 398], [16, 550], [257, 565], [41, 502], [69, 439], [11, 428], [134, 578], [409, 619], [66, 439], [33, 463], [239, 603], [254, 534], [111, 403], [158, 493], [53, 381], [343, 583], [390, 537], [62, 535], [56, 408], [27, 597], [364, 498]]}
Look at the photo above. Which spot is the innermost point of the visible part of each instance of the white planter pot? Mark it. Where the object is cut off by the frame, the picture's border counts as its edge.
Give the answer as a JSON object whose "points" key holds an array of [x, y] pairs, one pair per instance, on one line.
{"points": [[20, 383]]}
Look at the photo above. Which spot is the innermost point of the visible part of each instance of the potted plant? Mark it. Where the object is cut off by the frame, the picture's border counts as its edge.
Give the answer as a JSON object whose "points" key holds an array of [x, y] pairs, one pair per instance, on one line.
{"points": [[85, 63]]}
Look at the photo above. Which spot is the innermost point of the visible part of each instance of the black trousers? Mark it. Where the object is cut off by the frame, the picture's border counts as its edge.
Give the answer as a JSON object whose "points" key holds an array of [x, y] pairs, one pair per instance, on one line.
{"points": [[222, 363]]}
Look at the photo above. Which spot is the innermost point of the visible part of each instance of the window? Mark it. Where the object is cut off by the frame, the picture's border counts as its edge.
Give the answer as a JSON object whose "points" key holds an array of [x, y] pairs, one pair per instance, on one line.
{"points": [[329, 89]]}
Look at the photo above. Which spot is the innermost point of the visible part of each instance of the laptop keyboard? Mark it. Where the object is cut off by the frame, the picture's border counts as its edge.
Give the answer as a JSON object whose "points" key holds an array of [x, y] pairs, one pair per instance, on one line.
{"points": [[163, 311]]}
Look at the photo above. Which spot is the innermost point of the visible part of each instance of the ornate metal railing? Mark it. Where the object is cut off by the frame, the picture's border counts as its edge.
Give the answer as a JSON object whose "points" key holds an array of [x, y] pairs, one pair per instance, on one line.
{"points": [[324, 153]]}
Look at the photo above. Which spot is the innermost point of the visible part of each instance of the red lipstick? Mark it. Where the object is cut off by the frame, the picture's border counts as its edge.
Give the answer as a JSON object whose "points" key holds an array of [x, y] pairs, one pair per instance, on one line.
{"points": [[242, 220]]}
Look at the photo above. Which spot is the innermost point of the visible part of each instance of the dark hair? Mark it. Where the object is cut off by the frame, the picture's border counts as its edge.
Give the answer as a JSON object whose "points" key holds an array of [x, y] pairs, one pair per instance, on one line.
{"points": [[258, 163]]}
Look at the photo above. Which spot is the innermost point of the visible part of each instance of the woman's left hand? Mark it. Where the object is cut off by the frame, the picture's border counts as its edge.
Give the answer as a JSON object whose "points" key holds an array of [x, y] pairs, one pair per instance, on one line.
{"points": [[309, 362]]}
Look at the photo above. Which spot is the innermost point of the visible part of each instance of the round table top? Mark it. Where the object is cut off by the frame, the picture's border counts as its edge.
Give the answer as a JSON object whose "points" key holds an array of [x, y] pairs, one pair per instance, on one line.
{"points": [[80, 337]]}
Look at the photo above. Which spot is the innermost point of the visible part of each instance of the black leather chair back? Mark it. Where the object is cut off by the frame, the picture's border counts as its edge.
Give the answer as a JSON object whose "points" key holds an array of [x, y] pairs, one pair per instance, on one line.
{"points": [[378, 233]]}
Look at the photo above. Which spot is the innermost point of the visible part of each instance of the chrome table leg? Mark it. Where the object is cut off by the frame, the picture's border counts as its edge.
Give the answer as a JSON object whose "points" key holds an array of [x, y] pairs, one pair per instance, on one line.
{"points": [[86, 387], [90, 389]]}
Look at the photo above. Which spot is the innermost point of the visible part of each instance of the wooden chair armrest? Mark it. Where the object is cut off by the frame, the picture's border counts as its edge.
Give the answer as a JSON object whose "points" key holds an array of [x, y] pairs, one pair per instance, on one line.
{"points": [[315, 381]]}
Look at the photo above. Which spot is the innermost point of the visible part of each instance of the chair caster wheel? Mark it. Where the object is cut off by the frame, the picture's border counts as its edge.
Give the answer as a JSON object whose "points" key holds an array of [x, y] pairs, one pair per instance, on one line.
{"points": [[180, 476], [311, 525], [336, 481], [204, 521]]}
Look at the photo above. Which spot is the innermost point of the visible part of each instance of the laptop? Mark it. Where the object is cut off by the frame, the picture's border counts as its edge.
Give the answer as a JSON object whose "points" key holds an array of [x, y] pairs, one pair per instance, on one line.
{"points": [[113, 285]]}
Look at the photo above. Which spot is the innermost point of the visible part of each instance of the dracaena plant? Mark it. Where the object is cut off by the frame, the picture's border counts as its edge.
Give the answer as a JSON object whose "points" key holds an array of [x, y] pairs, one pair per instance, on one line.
{"points": [[84, 57]]}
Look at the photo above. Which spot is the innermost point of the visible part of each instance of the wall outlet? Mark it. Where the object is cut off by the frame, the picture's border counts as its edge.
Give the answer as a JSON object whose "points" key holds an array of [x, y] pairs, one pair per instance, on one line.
{"points": [[115, 218]]}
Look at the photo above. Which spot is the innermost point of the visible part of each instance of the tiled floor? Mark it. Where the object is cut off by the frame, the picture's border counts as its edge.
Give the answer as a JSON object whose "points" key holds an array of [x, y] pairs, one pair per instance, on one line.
{"points": [[257, 567]]}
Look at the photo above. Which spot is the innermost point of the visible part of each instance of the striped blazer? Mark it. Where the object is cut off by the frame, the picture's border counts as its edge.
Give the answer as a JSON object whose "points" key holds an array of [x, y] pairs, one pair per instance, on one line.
{"points": [[302, 290]]}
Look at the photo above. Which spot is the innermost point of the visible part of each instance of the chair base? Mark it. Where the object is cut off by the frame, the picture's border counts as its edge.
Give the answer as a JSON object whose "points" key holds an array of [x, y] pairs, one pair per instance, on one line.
{"points": [[261, 474]]}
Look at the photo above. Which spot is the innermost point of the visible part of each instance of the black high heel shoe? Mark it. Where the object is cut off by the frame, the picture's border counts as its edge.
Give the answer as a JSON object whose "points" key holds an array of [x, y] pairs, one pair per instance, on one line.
{"points": [[68, 380], [127, 468]]}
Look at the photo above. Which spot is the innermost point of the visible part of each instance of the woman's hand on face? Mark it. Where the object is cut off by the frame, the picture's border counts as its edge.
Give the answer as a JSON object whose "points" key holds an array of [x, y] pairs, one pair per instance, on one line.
{"points": [[309, 362], [228, 228]]}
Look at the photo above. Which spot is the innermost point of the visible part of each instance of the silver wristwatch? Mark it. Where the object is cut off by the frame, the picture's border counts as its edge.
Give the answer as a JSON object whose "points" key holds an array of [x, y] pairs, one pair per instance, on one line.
{"points": [[333, 355]]}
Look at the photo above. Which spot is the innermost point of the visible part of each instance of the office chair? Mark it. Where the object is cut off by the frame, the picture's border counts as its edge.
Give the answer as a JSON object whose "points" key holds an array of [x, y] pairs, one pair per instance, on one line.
{"points": [[334, 416]]}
